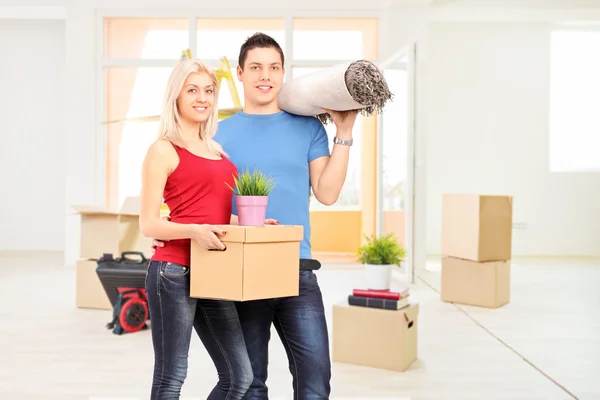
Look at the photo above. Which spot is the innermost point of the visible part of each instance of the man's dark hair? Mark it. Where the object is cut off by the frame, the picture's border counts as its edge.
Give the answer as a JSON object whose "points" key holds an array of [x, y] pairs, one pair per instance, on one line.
{"points": [[258, 40]]}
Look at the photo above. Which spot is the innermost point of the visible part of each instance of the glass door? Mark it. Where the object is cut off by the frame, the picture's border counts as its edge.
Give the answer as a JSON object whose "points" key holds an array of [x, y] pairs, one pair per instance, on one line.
{"points": [[395, 155]]}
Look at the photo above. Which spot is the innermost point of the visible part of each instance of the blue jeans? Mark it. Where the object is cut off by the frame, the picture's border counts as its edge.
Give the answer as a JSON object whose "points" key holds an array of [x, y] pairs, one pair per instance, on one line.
{"points": [[173, 313], [302, 328]]}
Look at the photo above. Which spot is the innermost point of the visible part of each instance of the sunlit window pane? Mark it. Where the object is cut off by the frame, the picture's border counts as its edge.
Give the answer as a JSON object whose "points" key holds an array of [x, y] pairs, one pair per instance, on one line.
{"points": [[131, 94], [314, 45], [145, 38], [135, 92], [223, 37], [135, 139], [335, 39], [574, 99]]}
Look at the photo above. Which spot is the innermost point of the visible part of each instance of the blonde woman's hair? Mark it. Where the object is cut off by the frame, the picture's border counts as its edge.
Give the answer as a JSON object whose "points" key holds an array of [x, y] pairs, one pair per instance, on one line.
{"points": [[170, 120]]}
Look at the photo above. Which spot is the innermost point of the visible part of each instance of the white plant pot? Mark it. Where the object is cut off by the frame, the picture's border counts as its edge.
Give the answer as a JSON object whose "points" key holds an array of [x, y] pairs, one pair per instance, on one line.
{"points": [[378, 276]]}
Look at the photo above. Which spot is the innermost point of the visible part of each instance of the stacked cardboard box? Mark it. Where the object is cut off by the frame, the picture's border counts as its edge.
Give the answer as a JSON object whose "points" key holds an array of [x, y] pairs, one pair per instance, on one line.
{"points": [[376, 328], [476, 249], [105, 231]]}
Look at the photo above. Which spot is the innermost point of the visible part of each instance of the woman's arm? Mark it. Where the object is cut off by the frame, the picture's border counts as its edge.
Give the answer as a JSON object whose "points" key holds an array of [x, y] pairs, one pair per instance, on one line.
{"points": [[160, 160]]}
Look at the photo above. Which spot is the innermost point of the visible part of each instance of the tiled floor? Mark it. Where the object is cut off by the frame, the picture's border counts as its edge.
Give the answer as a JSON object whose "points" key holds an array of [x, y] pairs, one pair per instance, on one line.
{"points": [[545, 344]]}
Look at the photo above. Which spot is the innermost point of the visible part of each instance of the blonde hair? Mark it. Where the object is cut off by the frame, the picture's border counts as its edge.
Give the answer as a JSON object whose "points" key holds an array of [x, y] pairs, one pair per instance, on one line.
{"points": [[170, 120]]}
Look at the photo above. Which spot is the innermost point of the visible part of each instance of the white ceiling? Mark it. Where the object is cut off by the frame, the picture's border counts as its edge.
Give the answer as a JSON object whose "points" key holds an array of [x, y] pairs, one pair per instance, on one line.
{"points": [[477, 4]]}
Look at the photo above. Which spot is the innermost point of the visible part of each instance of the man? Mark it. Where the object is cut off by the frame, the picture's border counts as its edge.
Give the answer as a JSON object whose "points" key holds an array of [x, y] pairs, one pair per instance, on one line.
{"points": [[294, 150]]}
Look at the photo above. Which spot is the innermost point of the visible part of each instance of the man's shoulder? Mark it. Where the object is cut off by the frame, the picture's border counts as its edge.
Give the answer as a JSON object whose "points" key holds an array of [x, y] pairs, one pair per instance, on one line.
{"points": [[297, 117], [303, 121]]}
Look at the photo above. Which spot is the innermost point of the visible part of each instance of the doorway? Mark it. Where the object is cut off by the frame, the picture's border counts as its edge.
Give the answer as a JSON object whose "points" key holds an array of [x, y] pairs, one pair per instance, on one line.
{"points": [[396, 155]]}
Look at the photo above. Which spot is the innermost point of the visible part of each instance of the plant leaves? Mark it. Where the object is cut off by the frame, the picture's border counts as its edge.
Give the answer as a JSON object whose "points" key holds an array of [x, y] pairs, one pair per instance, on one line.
{"points": [[252, 184], [382, 250]]}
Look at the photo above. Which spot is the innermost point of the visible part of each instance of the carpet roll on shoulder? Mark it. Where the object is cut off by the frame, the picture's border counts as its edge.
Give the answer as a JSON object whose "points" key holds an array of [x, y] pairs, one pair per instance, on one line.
{"points": [[358, 85]]}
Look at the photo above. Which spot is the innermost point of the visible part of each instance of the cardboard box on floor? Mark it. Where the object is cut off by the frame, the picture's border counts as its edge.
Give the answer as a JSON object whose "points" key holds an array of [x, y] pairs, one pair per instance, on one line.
{"points": [[386, 339], [477, 227], [89, 292], [258, 263], [108, 231], [484, 284]]}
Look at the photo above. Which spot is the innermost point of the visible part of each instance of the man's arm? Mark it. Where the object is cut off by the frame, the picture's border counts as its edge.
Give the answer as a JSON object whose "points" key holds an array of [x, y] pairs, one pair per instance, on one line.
{"points": [[328, 174]]}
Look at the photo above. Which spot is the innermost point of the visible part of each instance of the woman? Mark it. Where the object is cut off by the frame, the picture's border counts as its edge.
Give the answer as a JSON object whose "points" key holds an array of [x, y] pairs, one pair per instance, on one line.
{"points": [[187, 168]]}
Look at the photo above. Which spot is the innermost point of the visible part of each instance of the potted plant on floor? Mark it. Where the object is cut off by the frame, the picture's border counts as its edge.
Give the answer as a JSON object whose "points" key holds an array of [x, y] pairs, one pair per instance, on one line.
{"points": [[252, 196], [379, 255]]}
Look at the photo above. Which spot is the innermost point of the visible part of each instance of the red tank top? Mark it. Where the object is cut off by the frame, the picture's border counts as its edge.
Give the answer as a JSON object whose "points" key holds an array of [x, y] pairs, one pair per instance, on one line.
{"points": [[196, 193]]}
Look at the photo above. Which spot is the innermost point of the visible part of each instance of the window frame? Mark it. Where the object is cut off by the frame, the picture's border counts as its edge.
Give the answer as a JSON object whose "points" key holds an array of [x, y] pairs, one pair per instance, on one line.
{"points": [[193, 17]]}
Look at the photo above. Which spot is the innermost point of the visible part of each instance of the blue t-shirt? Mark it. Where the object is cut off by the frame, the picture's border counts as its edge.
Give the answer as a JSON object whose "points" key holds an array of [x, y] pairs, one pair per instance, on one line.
{"points": [[280, 145]]}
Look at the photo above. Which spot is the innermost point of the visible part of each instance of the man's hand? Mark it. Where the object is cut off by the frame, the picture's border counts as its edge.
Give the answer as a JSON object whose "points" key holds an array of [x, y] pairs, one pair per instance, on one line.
{"points": [[327, 174], [271, 221], [344, 121]]}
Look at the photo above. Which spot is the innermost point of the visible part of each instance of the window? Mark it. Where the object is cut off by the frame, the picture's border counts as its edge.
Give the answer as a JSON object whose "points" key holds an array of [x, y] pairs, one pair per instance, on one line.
{"points": [[222, 37], [135, 93], [335, 38], [574, 99], [145, 38], [139, 54]]}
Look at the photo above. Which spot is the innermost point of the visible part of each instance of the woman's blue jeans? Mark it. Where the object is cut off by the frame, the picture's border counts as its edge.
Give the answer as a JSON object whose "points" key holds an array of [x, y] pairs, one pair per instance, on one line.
{"points": [[173, 314]]}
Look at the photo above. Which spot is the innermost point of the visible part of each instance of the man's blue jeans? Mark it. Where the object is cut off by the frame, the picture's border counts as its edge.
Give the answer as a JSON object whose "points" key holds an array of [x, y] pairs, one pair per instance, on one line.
{"points": [[300, 322], [173, 314]]}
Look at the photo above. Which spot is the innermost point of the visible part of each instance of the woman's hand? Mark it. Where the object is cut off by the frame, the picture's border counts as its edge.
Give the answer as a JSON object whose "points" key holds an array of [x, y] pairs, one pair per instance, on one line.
{"points": [[206, 236], [159, 243]]}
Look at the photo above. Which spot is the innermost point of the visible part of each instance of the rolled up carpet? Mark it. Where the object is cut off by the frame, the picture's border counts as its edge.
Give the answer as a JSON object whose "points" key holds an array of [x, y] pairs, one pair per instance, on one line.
{"points": [[358, 85]]}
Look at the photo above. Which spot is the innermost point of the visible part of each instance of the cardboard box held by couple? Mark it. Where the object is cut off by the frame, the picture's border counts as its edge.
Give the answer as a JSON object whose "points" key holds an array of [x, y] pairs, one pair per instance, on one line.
{"points": [[259, 262]]}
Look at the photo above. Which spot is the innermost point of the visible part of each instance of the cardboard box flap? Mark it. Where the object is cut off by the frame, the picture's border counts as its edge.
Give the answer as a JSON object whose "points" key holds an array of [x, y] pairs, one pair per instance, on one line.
{"points": [[262, 234], [92, 210], [131, 206], [274, 233], [477, 226], [496, 205]]}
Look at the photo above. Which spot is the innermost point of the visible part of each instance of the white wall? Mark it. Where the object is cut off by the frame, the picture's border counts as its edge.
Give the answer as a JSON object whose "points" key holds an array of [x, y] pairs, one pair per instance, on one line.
{"points": [[488, 96], [31, 153]]}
